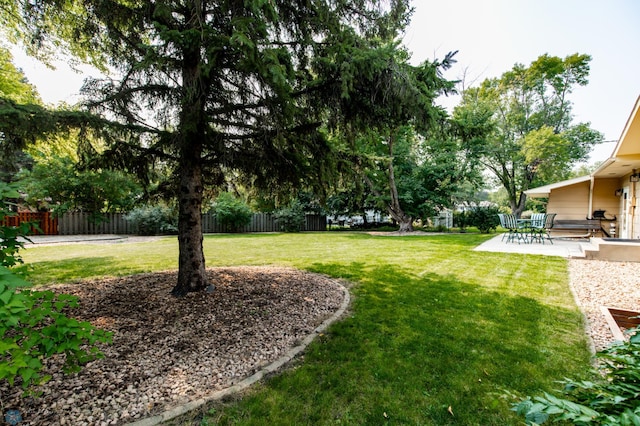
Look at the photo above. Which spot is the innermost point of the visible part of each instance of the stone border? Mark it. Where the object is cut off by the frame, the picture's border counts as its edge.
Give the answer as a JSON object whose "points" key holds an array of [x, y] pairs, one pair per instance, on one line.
{"points": [[244, 384]]}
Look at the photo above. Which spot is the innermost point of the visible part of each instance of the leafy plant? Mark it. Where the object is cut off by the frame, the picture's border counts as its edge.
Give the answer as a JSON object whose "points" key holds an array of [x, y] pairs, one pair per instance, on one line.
{"points": [[461, 220], [12, 238], [32, 323], [484, 218], [290, 218], [33, 326], [153, 220], [613, 398], [231, 212]]}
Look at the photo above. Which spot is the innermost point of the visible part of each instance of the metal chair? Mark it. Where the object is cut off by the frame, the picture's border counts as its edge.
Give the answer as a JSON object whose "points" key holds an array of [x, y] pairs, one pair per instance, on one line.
{"points": [[536, 228], [548, 224], [510, 222]]}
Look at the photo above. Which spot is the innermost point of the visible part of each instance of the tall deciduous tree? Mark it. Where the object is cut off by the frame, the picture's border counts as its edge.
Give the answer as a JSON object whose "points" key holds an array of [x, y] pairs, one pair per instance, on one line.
{"points": [[217, 85], [407, 149], [535, 140]]}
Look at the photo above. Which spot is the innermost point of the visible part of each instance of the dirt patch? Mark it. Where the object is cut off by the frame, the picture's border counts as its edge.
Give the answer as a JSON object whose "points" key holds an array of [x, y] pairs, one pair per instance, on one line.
{"points": [[167, 351]]}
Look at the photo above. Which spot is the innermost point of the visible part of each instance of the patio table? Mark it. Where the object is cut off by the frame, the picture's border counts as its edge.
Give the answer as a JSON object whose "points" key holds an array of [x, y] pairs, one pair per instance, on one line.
{"points": [[525, 225]]}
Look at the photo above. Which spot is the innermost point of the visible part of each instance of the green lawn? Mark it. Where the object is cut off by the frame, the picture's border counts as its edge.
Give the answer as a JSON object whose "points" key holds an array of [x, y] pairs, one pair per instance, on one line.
{"points": [[438, 334]]}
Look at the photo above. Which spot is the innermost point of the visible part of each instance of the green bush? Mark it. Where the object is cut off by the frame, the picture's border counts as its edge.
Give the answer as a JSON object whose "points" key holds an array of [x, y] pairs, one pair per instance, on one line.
{"points": [[461, 220], [153, 220], [12, 238], [291, 218], [231, 213], [32, 323], [612, 398], [484, 218]]}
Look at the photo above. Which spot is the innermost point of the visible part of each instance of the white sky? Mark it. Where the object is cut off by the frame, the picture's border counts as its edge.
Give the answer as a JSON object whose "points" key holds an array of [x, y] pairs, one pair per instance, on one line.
{"points": [[491, 36]]}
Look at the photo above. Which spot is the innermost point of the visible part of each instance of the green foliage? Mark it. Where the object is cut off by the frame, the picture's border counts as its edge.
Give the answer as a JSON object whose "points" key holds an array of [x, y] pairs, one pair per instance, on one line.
{"points": [[611, 398], [153, 220], [290, 218], [533, 140], [12, 238], [13, 83], [484, 218], [461, 219], [58, 184], [231, 212], [33, 325]]}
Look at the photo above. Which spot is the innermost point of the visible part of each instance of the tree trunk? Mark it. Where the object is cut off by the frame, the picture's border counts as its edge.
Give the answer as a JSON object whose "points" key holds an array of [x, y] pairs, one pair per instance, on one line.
{"points": [[191, 265], [395, 210], [518, 207], [192, 274]]}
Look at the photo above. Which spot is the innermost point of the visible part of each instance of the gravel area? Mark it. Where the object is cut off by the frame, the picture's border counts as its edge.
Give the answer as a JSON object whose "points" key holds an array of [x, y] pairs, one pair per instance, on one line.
{"points": [[597, 283], [168, 351]]}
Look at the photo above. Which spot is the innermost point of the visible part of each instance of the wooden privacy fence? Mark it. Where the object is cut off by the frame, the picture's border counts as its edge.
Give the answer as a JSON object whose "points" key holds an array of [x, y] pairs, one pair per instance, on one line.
{"points": [[44, 222], [115, 223]]}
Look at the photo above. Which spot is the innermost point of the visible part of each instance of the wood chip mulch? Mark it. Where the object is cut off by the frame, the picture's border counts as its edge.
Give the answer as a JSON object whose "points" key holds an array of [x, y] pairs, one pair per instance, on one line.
{"points": [[168, 351]]}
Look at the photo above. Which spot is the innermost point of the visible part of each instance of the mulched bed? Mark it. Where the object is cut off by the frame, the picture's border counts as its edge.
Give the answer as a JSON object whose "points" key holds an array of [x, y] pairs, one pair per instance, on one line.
{"points": [[167, 351]]}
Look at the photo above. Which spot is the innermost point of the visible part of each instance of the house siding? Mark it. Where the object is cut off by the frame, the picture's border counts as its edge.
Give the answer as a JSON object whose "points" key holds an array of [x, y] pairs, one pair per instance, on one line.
{"points": [[570, 202]]}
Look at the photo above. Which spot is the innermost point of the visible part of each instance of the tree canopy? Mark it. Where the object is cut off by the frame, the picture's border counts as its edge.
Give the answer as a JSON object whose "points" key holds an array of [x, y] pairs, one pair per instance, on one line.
{"points": [[211, 88], [410, 153], [534, 139]]}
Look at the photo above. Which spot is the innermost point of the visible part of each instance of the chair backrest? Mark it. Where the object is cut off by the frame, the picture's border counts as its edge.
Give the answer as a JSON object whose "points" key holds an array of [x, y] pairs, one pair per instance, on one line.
{"points": [[510, 221], [538, 220], [548, 222], [502, 221]]}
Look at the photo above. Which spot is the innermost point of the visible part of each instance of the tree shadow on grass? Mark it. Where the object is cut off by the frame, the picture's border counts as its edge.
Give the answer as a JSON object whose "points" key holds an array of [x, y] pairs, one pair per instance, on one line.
{"points": [[423, 350]]}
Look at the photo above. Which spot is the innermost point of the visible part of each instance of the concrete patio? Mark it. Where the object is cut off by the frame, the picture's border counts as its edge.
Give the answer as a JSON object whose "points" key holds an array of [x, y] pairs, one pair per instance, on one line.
{"points": [[560, 247]]}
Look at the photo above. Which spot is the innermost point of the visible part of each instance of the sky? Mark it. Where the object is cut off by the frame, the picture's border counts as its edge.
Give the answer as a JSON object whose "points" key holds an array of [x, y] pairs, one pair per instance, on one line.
{"points": [[490, 37], [493, 35]]}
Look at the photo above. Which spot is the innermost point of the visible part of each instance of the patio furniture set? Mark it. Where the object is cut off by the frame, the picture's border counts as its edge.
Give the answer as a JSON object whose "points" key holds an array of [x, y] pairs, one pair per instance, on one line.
{"points": [[535, 229]]}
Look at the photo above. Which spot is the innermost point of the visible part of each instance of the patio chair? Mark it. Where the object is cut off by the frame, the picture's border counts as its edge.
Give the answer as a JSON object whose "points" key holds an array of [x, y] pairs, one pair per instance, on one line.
{"points": [[548, 224], [536, 228], [510, 222], [503, 223]]}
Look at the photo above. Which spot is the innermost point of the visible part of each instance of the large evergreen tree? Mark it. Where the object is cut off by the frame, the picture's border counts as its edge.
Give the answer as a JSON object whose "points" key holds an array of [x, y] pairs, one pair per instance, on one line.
{"points": [[217, 85]]}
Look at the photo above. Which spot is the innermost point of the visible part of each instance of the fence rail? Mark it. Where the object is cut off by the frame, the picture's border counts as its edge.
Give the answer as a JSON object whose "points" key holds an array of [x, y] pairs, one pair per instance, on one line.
{"points": [[115, 223]]}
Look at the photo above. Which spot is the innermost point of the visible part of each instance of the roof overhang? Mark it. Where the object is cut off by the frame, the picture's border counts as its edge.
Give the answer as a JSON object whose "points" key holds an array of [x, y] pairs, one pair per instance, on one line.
{"points": [[625, 158], [544, 191], [626, 155]]}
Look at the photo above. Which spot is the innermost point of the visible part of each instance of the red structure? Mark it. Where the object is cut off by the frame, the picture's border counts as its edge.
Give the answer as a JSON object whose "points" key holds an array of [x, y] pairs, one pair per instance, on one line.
{"points": [[44, 223]]}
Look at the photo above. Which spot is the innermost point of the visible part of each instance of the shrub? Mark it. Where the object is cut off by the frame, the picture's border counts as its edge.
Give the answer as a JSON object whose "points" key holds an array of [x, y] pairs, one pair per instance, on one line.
{"points": [[33, 326], [291, 218], [461, 220], [484, 218], [153, 220], [612, 398], [12, 238], [231, 213]]}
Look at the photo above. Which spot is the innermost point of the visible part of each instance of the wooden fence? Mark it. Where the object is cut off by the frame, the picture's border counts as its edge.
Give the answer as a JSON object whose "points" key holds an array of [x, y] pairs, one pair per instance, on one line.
{"points": [[115, 223], [45, 224]]}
